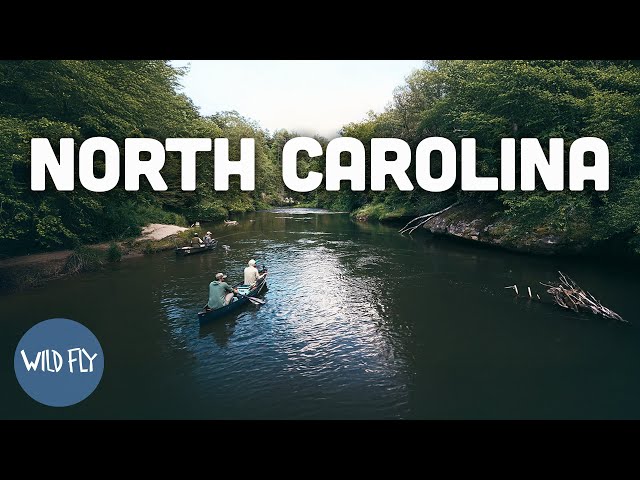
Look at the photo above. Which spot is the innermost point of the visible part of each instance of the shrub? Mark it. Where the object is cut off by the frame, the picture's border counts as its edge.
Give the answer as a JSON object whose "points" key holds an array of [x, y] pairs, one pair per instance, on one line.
{"points": [[83, 259], [208, 211], [148, 248], [114, 253]]}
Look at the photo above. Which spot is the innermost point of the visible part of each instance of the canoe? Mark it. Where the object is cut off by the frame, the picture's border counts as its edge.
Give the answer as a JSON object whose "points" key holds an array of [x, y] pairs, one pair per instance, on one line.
{"points": [[184, 251], [206, 316]]}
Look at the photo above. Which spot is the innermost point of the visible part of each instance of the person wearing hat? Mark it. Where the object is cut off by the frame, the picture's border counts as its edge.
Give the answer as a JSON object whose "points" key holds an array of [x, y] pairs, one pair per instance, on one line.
{"points": [[196, 241], [251, 274], [207, 239], [220, 293]]}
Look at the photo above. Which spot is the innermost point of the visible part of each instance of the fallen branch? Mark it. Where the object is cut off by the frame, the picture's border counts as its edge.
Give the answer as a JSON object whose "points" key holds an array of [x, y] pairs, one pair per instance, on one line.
{"points": [[422, 219], [569, 295], [514, 287]]}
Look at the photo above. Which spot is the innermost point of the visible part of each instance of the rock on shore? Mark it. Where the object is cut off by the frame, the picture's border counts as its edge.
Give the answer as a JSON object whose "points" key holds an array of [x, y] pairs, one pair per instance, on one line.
{"points": [[479, 224]]}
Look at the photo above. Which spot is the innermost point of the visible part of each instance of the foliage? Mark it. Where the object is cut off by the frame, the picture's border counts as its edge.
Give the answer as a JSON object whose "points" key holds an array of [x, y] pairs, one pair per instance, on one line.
{"points": [[489, 100], [83, 259], [378, 211], [209, 210], [114, 253], [486, 100], [116, 99]]}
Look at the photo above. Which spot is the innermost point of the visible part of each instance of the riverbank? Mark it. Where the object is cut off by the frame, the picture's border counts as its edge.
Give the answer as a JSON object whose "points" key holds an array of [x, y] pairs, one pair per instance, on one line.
{"points": [[484, 224], [27, 271], [487, 225], [397, 327]]}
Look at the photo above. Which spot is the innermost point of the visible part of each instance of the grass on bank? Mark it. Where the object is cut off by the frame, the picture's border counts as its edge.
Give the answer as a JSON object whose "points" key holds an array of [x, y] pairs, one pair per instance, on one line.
{"points": [[380, 212], [84, 258]]}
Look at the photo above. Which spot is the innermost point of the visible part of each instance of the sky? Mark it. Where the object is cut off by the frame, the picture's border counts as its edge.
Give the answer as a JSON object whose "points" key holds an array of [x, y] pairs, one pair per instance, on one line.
{"points": [[305, 96]]}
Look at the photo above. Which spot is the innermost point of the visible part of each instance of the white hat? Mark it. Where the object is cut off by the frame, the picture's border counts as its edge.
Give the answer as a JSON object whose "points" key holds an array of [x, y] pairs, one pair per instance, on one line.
{"points": [[252, 262], [208, 233], [220, 276]]}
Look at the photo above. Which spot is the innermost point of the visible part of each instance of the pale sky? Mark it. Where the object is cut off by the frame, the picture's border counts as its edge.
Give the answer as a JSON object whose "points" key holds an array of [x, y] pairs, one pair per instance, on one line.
{"points": [[305, 96]]}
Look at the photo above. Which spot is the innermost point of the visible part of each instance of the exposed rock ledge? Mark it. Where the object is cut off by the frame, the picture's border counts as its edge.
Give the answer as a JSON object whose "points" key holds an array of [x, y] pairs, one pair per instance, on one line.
{"points": [[479, 224]]}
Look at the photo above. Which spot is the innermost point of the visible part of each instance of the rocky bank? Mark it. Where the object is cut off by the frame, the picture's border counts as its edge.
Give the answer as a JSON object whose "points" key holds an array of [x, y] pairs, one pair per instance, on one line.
{"points": [[483, 224]]}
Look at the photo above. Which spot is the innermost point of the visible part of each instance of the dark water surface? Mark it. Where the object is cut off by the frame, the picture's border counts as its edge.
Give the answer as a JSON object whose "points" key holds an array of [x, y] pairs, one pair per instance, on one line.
{"points": [[360, 322]]}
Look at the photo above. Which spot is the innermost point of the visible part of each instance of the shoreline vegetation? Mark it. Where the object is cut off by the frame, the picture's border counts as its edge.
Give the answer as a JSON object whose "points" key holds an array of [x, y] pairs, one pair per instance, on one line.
{"points": [[485, 100], [28, 271], [482, 224], [460, 223]]}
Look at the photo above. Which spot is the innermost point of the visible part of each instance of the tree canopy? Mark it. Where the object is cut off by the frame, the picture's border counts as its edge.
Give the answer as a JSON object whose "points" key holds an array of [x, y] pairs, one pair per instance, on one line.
{"points": [[486, 100], [491, 100], [116, 99]]}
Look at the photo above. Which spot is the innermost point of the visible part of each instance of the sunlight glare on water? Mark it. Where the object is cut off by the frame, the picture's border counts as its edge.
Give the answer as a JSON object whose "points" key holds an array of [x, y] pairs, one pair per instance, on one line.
{"points": [[359, 322]]}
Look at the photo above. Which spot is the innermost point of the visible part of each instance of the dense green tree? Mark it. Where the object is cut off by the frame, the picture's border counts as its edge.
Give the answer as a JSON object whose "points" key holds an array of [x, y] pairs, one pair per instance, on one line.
{"points": [[116, 99], [490, 100], [486, 100]]}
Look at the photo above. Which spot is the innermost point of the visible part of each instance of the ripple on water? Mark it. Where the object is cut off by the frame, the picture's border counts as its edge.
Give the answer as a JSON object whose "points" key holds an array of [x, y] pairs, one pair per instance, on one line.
{"points": [[359, 323], [319, 331]]}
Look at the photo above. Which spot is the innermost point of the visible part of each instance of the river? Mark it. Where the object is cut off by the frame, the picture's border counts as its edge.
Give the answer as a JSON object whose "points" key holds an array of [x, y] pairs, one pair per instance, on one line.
{"points": [[359, 322]]}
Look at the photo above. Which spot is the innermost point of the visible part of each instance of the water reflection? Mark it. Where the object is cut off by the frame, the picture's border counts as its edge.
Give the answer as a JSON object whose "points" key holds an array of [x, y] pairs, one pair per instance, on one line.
{"points": [[220, 331], [359, 323], [320, 321]]}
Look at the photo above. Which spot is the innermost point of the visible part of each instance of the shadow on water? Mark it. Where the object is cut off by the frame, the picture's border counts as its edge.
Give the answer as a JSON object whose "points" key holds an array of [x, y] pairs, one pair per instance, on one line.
{"points": [[220, 331], [360, 322]]}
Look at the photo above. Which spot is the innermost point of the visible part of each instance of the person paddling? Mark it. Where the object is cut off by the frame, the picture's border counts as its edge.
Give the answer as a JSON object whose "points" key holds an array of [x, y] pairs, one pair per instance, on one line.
{"points": [[220, 292], [251, 274]]}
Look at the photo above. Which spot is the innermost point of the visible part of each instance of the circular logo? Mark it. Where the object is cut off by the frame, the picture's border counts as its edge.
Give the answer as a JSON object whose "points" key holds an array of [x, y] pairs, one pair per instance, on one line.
{"points": [[58, 362]]}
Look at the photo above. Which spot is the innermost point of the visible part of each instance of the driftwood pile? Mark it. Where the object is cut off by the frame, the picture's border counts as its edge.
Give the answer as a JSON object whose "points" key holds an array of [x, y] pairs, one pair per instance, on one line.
{"points": [[568, 294]]}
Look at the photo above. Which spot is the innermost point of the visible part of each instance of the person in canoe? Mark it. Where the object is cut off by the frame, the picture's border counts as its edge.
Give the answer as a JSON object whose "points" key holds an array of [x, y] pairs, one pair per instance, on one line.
{"points": [[196, 241], [251, 274], [208, 239], [220, 293]]}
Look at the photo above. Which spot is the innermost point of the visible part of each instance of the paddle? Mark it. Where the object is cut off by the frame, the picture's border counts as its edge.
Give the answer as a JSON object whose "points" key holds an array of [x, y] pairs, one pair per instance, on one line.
{"points": [[254, 300]]}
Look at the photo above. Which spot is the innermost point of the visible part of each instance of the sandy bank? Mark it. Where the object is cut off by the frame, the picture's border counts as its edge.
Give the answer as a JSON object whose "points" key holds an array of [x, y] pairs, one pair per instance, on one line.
{"points": [[159, 231], [35, 269]]}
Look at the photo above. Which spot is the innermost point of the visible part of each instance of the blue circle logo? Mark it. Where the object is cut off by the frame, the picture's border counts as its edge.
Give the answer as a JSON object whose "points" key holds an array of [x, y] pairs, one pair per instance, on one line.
{"points": [[58, 362]]}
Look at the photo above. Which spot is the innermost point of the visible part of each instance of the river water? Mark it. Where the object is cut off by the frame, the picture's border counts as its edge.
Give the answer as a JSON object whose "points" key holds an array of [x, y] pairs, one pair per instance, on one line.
{"points": [[359, 322]]}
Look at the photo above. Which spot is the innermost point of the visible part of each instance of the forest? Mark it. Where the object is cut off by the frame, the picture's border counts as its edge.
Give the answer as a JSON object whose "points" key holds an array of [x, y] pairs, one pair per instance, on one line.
{"points": [[119, 100], [485, 100], [489, 100]]}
